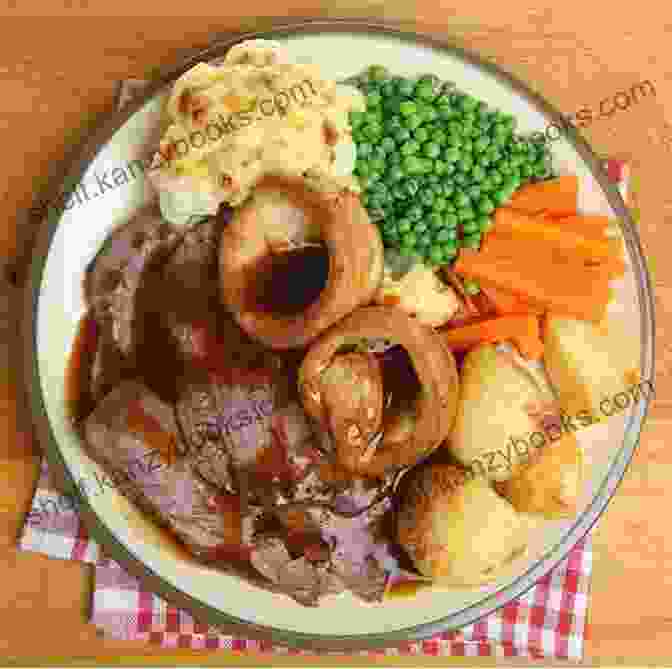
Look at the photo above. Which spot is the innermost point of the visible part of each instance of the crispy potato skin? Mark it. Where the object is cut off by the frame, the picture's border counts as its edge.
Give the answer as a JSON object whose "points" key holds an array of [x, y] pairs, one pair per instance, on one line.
{"points": [[457, 529], [434, 366], [355, 264], [550, 484]]}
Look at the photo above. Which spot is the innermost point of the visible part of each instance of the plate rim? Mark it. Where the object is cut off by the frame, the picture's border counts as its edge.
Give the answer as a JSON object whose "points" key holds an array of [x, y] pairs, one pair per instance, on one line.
{"points": [[225, 622]]}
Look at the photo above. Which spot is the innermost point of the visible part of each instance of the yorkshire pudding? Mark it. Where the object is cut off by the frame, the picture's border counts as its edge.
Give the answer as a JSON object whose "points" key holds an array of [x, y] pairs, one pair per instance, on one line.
{"points": [[294, 261], [343, 390]]}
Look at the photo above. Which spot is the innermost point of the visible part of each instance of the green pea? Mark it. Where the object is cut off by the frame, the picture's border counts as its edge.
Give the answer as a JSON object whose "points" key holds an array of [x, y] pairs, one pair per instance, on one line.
{"points": [[402, 135], [435, 221], [395, 174], [374, 99], [525, 171], [465, 214], [362, 168], [465, 163], [412, 164], [439, 205], [500, 196], [468, 103], [407, 108], [388, 89], [427, 198], [413, 122], [412, 185], [446, 235], [449, 248], [447, 188], [471, 241], [468, 129], [372, 130], [404, 225], [432, 149], [486, 206], [393, 123], [451, 155], [377, 164], [484, 223], [445, 112], [477, 173], [357, 118], [482, 143], [470, 227], [501, 130], [423, 242], [421, 135], [409, 147], [406, 87], [409, 239], [450, 220], [436, 255], [486, 185], [414, 213], [425, 91], [462, 200], [388, 145], [471, 287]]}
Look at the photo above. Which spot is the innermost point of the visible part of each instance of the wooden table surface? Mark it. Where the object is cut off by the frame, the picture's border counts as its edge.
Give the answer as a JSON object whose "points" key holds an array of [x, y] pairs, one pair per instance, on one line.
{"points": [[59, 73]]}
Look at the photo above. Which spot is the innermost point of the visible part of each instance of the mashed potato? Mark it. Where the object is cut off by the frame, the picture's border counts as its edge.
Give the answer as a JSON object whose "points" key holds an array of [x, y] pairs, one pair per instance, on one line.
{"points": [[256, 113]]}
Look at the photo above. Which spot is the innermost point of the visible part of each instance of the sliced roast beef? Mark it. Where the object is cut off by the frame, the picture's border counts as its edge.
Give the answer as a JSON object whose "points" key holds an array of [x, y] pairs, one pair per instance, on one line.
{"points": [[300, 578], [133, 433], [116, 273]]}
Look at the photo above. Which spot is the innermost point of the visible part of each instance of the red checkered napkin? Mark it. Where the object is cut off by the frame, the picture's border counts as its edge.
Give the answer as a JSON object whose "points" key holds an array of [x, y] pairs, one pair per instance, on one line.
{"points": [[548, 621]]}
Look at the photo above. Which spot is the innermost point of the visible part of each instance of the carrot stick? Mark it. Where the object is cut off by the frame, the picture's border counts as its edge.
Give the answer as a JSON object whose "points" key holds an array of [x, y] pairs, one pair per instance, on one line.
{"points": [[591, 224], [582, 292], [557, 196], [523, 330], [506, 245], [521, 226], [506, 303]]}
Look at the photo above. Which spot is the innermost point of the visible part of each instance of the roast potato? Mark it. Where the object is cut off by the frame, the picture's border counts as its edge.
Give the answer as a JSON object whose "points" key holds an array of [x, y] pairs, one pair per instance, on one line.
{"points": [[456, 528], [550, 484], [587, 368], [493, 412]]}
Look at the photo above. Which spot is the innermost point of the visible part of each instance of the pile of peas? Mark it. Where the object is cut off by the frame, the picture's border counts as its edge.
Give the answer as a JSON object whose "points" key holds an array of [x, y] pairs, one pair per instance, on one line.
{"points": [[434, 163]]}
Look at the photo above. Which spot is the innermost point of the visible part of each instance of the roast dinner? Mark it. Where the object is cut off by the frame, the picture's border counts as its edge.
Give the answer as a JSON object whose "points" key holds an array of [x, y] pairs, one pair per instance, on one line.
{"points": [[332, 321]]}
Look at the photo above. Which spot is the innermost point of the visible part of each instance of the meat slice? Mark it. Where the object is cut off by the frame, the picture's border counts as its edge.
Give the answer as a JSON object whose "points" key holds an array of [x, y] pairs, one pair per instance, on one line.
{"points": [[116, 273], [300, 578], [133, 434], [187, 286]]}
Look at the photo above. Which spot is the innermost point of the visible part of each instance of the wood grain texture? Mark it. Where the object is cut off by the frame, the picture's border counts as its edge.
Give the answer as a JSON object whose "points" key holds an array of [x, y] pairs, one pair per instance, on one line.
{"points": [[59, 70]]}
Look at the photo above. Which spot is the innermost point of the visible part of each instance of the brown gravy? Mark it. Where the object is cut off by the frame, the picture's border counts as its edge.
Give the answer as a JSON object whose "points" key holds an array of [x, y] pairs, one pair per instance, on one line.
{"points": [[287, 283], [79, 400]]}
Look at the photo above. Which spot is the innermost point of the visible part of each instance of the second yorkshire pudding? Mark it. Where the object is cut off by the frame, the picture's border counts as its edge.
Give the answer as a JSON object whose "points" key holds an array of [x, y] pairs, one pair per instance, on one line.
{"points": [[343, 390], [294, 261]]}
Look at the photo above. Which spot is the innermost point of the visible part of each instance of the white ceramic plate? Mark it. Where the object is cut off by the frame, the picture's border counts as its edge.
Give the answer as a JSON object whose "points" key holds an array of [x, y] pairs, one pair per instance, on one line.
{"points": [[55, 305]]}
